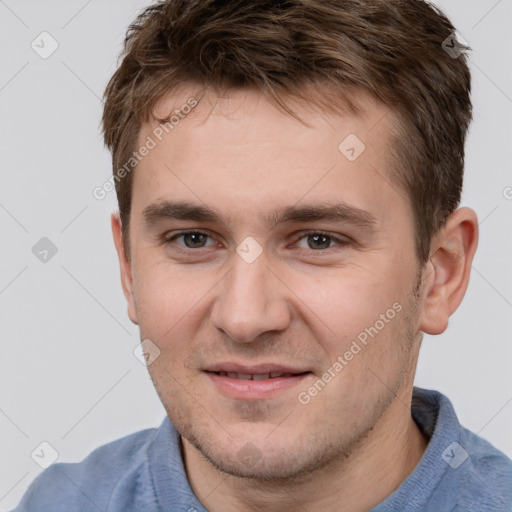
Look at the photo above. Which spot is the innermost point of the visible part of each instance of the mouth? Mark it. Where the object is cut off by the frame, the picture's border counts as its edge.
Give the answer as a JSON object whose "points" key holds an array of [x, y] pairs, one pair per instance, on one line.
{"points": [[257, 376], [256, 382]]}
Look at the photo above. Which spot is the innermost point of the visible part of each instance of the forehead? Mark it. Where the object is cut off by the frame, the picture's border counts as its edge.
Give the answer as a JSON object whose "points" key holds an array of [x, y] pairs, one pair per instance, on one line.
{"points": [[239, 145], [318, 105]]}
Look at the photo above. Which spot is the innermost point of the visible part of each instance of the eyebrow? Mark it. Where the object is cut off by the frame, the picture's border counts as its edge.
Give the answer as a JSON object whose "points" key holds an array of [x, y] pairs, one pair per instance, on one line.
{"points": [[338, 212]]}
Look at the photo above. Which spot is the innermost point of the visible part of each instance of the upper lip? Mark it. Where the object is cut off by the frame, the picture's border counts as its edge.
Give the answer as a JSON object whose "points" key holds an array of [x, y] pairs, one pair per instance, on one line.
{"points": [[254, 369]]}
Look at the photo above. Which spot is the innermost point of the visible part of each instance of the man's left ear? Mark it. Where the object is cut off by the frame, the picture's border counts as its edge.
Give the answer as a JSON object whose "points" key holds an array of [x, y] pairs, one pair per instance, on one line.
{"points": [[446, 274]]}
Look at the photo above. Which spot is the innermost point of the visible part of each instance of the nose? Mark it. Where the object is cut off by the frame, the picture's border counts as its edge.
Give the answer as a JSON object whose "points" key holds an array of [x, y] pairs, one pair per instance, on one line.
{"points": [[251, 301]]}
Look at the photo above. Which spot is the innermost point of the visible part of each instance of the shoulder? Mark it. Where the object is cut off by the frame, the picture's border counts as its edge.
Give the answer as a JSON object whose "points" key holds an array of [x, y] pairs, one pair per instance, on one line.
{"points": [[486, 479], [89, 485], [475, 475], [463, 471]]}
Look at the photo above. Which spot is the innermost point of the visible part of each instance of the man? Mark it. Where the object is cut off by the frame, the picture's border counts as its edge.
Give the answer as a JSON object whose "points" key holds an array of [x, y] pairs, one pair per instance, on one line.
{"points": [[288, 177]]}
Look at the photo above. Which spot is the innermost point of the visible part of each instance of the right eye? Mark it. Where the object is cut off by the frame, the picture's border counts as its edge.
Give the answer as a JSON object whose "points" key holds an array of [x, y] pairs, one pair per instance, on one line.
{"points": [[191, 239]]}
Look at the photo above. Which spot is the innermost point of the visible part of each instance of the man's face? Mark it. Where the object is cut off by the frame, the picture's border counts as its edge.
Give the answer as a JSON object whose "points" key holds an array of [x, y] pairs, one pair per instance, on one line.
{"points": [[249, 314]]}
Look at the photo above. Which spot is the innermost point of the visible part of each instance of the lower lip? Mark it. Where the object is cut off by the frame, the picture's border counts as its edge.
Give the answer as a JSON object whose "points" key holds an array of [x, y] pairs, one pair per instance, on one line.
{"points": [[254, 389]]}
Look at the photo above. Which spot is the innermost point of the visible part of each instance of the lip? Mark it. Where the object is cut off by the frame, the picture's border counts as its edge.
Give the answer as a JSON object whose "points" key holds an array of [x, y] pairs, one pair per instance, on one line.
{"points": [[241, 389], [254, 368]]}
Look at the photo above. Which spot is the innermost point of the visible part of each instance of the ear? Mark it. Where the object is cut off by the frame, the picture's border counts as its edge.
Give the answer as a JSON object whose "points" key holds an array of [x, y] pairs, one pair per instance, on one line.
{"points": [[124, 265], [446, 275]]}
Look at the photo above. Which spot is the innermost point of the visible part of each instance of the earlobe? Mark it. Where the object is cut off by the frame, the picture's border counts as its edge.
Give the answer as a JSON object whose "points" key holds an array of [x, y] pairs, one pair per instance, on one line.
{"points": [[447, 272], [124, 266]]}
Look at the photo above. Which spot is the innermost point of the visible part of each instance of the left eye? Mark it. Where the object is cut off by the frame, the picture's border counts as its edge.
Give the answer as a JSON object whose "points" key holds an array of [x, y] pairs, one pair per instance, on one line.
{"points": [[318, 241]]}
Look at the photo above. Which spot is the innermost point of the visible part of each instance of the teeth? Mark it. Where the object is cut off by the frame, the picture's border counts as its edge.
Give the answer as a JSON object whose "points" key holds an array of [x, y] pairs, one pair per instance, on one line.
{"points": [[262, 376], [249, 376]]}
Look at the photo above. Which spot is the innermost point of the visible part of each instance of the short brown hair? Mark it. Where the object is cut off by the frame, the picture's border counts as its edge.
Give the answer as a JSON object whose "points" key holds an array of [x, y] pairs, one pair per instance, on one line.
{"points": [[392, 49]]}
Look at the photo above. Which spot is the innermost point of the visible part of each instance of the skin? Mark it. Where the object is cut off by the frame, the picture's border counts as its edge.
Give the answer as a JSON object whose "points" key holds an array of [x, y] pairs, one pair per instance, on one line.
{"points": [[297, 304]]}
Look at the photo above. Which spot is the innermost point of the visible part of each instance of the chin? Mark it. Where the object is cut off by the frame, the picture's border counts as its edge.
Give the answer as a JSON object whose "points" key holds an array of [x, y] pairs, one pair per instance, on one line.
{"points": [[283, 458]]}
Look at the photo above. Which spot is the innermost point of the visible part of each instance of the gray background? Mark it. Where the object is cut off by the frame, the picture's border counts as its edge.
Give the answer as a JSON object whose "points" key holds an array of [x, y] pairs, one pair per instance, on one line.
{"points": [[67, 369]]}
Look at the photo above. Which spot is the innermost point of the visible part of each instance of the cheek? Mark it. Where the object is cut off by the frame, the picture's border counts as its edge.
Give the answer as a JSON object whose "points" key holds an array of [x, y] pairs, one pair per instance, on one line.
{"points": [[344, 303], [161, 298], [171, 303]]}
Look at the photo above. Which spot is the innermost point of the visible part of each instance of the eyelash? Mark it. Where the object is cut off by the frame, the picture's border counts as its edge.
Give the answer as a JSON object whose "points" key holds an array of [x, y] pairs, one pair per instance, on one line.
{"points": [[339, 242]]}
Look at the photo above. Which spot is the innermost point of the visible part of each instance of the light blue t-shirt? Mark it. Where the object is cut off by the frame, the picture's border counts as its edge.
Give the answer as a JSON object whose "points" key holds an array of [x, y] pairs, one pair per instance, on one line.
{"points": [[144, 472]]}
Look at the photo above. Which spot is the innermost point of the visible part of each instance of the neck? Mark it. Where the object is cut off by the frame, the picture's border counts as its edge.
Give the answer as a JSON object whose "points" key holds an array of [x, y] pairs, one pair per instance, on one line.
{"points": [[356, 482]]}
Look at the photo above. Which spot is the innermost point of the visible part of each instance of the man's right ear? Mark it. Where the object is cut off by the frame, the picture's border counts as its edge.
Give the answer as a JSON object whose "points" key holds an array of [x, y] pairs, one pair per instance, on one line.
{"points": [[124, 265]]}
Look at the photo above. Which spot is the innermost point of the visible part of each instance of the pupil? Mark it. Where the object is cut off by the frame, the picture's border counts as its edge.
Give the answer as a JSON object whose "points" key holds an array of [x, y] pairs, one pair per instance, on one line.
{"points": [[323, 239], [197, 239]]}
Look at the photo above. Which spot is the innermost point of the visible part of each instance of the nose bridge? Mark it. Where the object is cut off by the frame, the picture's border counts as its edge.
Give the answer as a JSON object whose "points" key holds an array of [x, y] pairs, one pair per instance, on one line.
{"points": [[250, 300]]}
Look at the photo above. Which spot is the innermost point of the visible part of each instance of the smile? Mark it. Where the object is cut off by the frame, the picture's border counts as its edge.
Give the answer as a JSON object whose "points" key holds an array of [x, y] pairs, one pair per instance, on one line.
{"points": [[251, 376], [254, 386]]}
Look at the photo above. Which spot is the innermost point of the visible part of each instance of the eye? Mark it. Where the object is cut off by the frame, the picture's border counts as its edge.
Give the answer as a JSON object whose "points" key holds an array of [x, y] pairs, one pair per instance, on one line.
{"points": [[313, 240], [191, 239], [318, 240]]}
